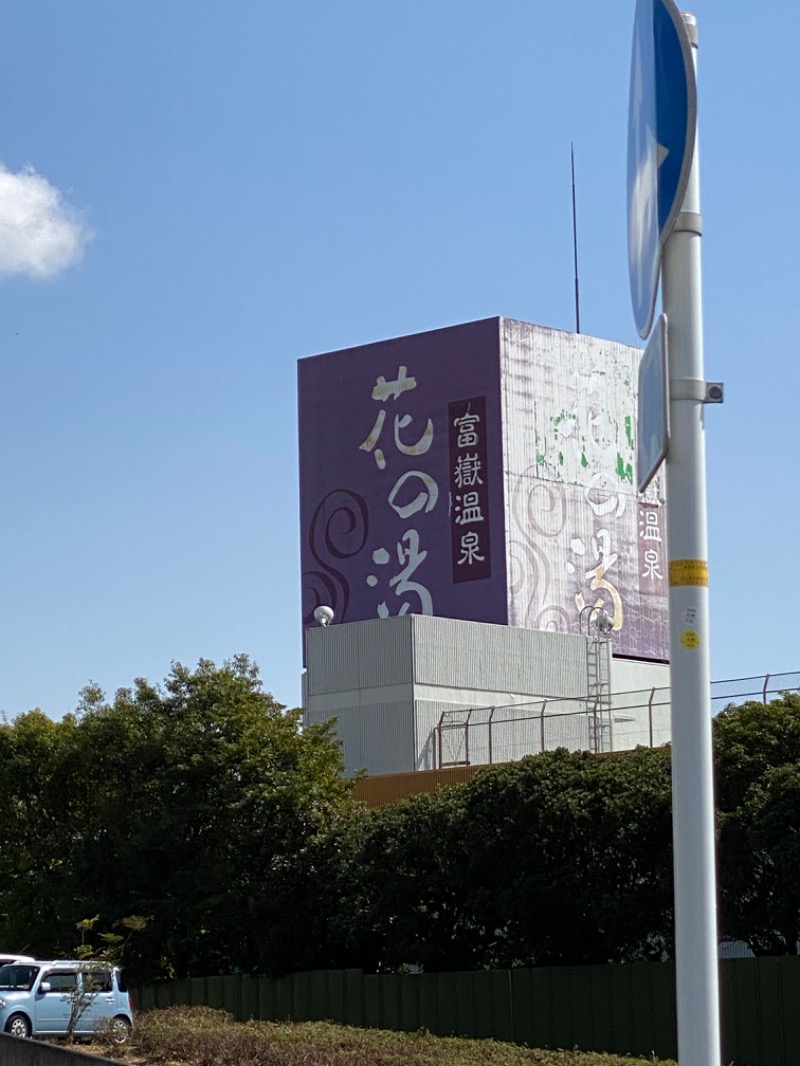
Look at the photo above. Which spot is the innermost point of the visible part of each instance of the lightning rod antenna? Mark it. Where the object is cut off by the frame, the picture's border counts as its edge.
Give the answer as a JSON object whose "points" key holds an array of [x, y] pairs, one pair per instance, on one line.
{"points": [[575, 242]]}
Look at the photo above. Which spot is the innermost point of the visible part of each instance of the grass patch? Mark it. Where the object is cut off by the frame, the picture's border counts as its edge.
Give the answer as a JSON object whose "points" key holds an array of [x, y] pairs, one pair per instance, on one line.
{"points": [[201, 1036]]}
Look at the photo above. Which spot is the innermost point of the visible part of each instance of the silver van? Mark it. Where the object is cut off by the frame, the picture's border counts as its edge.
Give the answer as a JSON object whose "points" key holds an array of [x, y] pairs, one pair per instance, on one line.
{"points": [[41, 998], [8, 956]]}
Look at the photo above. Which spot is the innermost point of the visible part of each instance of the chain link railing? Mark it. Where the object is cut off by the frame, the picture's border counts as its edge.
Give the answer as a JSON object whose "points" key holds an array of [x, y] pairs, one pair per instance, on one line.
{"points": [[620, 721]]}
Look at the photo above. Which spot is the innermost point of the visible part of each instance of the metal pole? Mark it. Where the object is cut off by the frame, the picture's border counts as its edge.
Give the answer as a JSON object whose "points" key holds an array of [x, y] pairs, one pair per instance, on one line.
{"points": [[692, 784], [544, 704]]}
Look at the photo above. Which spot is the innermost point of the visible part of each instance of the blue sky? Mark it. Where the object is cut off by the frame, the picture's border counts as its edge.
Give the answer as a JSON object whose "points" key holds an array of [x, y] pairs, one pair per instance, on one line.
{"points": [[197, 194]]}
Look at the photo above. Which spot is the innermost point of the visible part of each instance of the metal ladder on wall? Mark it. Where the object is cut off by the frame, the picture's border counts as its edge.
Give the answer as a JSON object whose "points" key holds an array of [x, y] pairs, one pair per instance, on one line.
{"points": [[598, 691]]}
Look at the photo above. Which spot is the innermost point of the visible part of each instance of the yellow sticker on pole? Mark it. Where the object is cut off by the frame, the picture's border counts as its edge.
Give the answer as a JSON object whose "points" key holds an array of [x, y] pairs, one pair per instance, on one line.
{"points": [[688, 572], [690, 639]]}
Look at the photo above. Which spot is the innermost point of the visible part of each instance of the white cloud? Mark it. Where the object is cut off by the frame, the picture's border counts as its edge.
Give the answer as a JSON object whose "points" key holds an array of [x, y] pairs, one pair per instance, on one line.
{"points": [[40, 234]]}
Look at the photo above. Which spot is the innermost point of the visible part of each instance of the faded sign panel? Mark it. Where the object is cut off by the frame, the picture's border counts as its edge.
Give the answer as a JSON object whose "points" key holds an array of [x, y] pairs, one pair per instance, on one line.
{"points": [[377, 504], [578, 537]]}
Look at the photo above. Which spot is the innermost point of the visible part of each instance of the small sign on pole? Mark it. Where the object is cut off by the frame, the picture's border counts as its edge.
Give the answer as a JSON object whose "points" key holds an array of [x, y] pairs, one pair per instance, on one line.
{"points": [[652, 428]]}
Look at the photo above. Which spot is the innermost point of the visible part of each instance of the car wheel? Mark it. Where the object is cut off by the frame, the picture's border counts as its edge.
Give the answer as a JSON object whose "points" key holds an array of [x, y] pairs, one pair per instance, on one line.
{"points": [[119, 1031], [18, 1025]]}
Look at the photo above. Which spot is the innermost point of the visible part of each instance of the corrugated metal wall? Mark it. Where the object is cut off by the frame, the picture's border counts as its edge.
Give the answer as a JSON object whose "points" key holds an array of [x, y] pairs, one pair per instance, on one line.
{"points": [[360, 655], [375, 736], [388, 682], [472, 655], [444, 652], [628, 1009]]}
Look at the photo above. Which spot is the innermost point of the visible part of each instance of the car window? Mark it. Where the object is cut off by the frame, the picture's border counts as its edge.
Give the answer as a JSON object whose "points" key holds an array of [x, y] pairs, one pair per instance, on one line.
{"points": [[121, 981], [97, 981], [62, 980], [17, 978]]}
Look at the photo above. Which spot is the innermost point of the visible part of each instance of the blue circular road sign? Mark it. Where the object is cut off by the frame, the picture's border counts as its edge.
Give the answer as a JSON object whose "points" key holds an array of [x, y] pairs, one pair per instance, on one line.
{"points": [[662, 120]]}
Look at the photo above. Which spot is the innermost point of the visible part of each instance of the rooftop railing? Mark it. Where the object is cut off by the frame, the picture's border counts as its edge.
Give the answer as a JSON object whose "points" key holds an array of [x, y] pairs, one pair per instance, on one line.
{"points": [[614, 722]]}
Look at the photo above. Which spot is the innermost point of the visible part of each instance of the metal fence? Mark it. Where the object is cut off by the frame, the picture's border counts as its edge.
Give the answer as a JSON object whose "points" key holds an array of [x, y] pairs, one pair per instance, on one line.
{"points": [[628, 1009], [614, 722]]}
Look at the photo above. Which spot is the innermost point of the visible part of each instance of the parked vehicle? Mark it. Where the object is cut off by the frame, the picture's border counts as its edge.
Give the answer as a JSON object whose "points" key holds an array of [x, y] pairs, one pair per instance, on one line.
{"points": [[8, 956], [41, 999]]}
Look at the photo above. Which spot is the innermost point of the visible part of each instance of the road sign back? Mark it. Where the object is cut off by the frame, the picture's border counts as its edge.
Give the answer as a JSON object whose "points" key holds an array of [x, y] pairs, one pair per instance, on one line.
{"points": [[661, 132]]}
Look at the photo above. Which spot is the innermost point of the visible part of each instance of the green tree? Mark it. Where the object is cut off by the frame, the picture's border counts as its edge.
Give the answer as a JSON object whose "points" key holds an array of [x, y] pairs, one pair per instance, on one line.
{"points": [[758, 796], [559, 858], [571, 857], [34, 849], [180, 802], [397, 887]]}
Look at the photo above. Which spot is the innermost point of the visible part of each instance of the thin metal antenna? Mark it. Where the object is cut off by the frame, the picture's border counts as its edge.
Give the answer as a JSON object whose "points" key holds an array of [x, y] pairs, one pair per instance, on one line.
{"points": [[575, 243]]}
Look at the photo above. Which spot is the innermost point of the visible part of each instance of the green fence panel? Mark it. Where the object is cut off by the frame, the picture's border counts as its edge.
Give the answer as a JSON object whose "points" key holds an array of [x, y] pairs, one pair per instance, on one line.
{"points": [[543, 1032], [283, 1001], [199, 996], [248, 1001], [502, 1017], [408, 1001], [144, 998], [729, 1022], [335, 995], [581, 1031], [317, 1009], [301, 997], [790, 999], [622, 1021], [562, 1006], [771, 1014], [602, 999], [429, 1011], [482, 1009], [266, 999], [464, 1005], [664, 1012], [756, 1012], [741, 1010], [447, 991], [626, 1008], [478, 1003], [522, 1006], [232, 995], [182, 993], [641, 1007], [390, 1001], [372, 1001], [353, 1013], [215, 991], [166, 994]]}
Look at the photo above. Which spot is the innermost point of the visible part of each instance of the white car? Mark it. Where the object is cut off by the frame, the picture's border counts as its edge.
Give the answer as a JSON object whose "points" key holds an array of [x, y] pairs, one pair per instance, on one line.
{"points": [[8, 956], [40, 998]]}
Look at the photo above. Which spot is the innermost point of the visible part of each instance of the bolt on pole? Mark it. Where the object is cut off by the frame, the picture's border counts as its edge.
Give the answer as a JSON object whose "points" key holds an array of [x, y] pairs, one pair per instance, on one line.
{"points": [[696, 941]]}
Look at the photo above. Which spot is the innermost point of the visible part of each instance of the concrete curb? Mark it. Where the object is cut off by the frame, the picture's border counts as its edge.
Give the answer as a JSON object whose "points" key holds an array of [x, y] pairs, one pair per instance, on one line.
{"points": [[17, 1052]]}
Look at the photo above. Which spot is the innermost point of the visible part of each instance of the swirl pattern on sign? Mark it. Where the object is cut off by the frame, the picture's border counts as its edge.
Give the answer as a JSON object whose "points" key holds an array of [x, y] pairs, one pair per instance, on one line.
{"points": [[338, 531]]}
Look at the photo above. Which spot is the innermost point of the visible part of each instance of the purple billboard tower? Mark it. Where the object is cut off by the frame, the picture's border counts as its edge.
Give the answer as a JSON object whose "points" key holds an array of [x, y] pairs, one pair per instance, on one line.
{"points": [[483, 472]]}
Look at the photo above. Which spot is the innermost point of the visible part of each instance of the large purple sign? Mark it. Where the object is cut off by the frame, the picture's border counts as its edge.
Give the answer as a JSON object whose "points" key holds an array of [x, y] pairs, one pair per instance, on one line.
{"points": [[377, 507], [482, 472]]}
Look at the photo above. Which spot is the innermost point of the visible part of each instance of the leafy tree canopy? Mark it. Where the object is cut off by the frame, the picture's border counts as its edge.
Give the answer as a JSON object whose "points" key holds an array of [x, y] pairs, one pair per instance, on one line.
{"points": [[179, 802]]}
